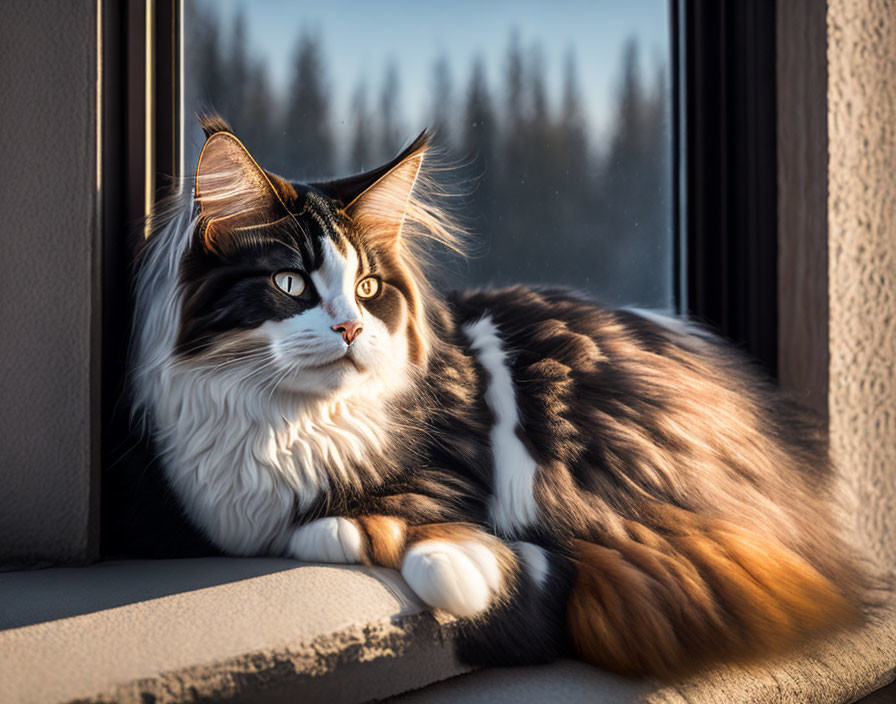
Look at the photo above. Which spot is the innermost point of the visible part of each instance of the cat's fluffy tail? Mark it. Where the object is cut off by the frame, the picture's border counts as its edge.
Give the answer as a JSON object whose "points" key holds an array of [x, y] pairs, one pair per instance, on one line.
{"points": [[665, 603]]}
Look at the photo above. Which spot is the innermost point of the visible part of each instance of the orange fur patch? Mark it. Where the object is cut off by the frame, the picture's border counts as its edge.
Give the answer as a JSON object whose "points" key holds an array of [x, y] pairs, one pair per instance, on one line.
{"points": [[386, 538], [399, 274], [666, 605]]}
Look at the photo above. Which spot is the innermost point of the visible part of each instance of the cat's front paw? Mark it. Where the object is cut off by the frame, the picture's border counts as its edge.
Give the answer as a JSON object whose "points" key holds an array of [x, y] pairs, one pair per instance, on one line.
{"points": [[332, 539], [460, 578]]}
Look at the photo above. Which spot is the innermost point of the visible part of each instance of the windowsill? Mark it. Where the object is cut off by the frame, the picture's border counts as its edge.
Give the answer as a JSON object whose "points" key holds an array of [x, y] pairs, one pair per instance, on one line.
{"points": [[268, 630], [219, 628]]}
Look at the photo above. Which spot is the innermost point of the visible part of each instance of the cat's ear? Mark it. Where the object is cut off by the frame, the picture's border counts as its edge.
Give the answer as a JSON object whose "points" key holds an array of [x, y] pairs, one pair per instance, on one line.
{"points": [[377, 201], [232, 190]]}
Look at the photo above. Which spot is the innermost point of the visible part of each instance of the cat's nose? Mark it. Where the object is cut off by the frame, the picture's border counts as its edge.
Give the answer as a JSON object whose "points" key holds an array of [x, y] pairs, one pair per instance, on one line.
{"points": [[349, 329]]}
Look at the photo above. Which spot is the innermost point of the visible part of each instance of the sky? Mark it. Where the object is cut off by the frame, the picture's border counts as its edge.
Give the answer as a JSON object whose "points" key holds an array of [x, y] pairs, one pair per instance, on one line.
{"points": [[359, 38]]}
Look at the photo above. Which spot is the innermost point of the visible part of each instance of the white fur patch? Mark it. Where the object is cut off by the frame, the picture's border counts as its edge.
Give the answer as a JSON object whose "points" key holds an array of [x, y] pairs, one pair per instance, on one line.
{"points": [[535, 560], [243, 458], [335, 282], [513, 507], [460, 578], [332, 539]]}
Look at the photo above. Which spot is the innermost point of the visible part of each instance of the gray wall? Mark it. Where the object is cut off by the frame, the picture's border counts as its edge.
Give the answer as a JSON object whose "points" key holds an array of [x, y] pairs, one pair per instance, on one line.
{"points": [[49, 281]]}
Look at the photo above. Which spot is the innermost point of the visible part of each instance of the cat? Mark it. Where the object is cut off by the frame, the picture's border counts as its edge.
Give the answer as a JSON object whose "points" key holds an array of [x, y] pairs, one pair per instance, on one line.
{"points": [[563, 478]]}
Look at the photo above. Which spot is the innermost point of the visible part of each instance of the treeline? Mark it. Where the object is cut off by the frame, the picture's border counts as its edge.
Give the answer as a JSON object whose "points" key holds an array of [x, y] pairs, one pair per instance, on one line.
{"points": [[547, 200]]}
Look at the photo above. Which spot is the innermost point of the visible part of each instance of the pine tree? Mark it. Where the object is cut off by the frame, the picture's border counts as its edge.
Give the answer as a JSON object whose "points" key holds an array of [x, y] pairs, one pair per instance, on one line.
{"points": [[511, 226], [575, 142], [308, 148], [204, 83], [539, 207], [259, 115], [361, 150], [480, 130], [635, 189], [580, 211], [480, 146], [538, 101], [236, 68], [514, 79], [628, 138], [203, 54], [390, 112], [442, 105]]}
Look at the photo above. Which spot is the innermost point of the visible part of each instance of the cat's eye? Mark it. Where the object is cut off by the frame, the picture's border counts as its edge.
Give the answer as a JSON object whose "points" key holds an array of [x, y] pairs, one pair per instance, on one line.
{"points": [[368, 288], [291, 282]]}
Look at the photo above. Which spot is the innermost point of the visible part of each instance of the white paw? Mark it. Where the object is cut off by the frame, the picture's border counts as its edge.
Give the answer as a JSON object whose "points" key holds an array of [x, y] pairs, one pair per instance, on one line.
{"points": [[460, 578], [333, 539]]}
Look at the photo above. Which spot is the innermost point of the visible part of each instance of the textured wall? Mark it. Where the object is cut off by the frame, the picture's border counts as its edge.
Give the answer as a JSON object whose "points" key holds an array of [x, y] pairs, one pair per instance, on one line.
{"points": [[48, 286], [862, 258]]}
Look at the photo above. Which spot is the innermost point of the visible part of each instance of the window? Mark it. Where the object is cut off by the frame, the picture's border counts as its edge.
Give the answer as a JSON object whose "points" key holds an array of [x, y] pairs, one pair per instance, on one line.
{"points": [[559, 129], [624, 149]]}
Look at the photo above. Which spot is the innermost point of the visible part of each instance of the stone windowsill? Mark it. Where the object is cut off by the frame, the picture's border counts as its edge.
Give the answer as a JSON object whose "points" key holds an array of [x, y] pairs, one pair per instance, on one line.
{"points": [[269, 630]]}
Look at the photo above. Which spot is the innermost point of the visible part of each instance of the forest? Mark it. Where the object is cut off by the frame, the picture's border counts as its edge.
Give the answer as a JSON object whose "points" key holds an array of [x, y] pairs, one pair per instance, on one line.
{"points": [[546, 200]]}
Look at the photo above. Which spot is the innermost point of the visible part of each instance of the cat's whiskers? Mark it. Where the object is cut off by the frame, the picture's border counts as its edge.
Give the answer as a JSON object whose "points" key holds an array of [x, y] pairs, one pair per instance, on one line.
{"points": [[283, 376], [261, 362]]}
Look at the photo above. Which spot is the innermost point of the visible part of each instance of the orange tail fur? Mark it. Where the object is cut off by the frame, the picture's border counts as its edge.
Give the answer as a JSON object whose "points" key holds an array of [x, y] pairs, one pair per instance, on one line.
{"points": [[665, 605]]}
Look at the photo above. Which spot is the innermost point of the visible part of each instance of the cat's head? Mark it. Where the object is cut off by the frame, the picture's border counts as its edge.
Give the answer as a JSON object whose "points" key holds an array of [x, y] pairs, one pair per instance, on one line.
{"points": [[316, 288]]}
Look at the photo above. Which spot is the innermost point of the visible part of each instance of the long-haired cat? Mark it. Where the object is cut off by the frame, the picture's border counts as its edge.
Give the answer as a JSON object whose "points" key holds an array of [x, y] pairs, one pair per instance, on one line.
{"points": [[563, 477]]}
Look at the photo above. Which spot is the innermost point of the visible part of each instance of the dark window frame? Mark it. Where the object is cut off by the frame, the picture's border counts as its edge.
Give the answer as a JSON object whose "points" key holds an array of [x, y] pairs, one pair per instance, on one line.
{"points": [[725, 93], [724, 170], [141, 114], [141, 145]]}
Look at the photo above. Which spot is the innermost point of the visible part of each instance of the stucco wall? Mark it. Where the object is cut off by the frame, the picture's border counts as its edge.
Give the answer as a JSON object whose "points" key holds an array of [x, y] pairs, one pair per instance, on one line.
{"points": [[862, 259]]}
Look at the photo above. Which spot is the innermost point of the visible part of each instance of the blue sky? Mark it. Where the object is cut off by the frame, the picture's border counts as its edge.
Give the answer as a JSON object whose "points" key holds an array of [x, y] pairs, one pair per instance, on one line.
{"points": [[360, 37]]}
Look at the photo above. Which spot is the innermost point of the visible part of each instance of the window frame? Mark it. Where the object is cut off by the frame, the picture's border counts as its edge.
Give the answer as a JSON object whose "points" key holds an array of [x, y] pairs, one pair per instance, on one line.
{"points": [[141, 108], [724, 65]]}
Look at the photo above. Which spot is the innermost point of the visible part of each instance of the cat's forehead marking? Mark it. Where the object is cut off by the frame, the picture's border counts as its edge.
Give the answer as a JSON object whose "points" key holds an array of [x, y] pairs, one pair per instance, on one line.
{"points": [[318, 209], [335, 281], [324, 213]]}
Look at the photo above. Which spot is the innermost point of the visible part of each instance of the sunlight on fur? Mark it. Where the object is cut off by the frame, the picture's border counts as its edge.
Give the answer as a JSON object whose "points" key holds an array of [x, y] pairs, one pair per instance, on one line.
{"points": [[556, 474]]}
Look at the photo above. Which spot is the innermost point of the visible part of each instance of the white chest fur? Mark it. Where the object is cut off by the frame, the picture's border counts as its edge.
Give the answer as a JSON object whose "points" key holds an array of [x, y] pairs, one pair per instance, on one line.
{"points": [[244, 463]]}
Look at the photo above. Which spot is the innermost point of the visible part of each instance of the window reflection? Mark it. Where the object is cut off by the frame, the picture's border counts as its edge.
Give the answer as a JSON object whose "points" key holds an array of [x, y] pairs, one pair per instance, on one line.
{"points": [[556, 115]]}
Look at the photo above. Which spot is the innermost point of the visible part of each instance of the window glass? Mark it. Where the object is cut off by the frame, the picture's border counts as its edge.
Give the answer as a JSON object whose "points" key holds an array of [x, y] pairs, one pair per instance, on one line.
{"points": [[555, 115]]}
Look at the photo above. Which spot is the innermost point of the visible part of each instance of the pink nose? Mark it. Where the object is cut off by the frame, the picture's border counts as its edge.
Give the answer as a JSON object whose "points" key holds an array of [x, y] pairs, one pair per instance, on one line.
{"points": [[349, 329]]}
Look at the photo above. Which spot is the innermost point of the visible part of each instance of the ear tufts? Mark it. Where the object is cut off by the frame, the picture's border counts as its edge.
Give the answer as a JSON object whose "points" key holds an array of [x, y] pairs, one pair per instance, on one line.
{"points": [[212, 123]]}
